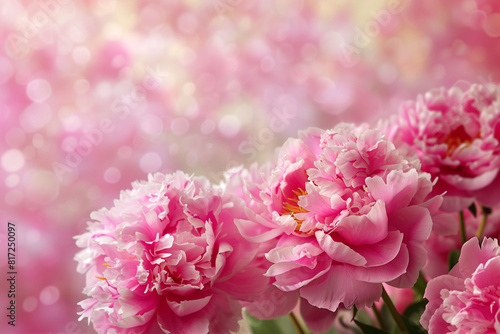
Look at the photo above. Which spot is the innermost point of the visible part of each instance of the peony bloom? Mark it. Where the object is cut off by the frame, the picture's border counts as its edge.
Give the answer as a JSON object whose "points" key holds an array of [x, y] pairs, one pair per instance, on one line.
{"points": [[347, 212], [168, 257], [273, 303], [457, 136], [467, 300], [439, 246]]}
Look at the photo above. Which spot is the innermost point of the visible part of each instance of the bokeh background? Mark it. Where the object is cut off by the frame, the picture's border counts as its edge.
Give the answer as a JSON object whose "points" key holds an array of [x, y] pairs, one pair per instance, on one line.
{"points": [[95, 94]]}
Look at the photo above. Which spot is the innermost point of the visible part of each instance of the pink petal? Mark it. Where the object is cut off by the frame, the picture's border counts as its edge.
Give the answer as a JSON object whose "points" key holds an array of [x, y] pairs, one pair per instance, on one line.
{"points": [[256, 232], [284, 267], [295, 148], [319, 204], [454, 199], [300, 276], [417, 259], [312, 137], [489, 275], [444, 224], [437, 324], [273, 303], [188, 306], [366, 229], [137, 308], [247, 285], [472, 255], [383, 273], [456, 203], [490, 195], [382, 252], [289, 249], [339, 251], [399, 190], [338, 286], [433, 295], [414, 222], [497, 322], [318, 320], [219, 316], [470, 184]]}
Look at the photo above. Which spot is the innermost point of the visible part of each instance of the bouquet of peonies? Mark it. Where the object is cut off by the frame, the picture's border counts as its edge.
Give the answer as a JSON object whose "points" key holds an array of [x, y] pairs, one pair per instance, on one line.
{"points": [[356, 229]]}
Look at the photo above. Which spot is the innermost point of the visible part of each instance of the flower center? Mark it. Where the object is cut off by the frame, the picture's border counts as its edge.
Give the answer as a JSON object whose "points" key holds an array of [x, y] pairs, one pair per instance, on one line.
{"points": [[291, 207], [456, 138]]}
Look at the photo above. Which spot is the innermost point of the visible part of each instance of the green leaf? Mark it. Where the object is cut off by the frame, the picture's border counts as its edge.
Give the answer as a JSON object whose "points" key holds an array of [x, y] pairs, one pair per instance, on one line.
{"points": [[420, 286], [367, 329], [413, 327], [453, 258], [281, 325], [352, 328], [354, 312], [412, 315], [415, 309]]}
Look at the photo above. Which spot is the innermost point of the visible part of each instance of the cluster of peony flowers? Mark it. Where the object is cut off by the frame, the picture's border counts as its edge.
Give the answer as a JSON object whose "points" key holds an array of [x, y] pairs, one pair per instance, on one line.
{"points": [[168, 258], [338, 217]]}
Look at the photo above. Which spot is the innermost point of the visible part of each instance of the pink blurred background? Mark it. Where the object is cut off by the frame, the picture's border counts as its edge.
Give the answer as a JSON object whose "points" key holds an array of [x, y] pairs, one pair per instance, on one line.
{"points": [[96, 94]]}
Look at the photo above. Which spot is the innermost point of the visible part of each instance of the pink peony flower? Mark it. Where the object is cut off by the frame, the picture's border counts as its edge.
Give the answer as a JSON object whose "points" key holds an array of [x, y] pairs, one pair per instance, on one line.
{"points": [[273, 303], [349, 213], [439, 246], [457, 136], [168, 257], [467, 300]]}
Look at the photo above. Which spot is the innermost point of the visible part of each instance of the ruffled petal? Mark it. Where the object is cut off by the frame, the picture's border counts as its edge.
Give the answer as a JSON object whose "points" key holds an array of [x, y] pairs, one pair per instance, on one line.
{"points": [[339, 287], [365, 229], [339, 251], [272, 303], [318, 320], [397, 192], [382, 273], [433, 295]]}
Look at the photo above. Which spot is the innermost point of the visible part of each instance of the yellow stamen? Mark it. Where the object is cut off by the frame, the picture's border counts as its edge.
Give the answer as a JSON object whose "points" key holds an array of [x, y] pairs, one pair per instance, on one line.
{"points": [[100, 277], [456, 138], [106, 265], [299, 192], [291, 208]]}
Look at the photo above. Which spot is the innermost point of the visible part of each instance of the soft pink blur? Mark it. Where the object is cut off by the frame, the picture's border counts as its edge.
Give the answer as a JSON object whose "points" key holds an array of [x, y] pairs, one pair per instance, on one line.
{"points": [[96, 94]]}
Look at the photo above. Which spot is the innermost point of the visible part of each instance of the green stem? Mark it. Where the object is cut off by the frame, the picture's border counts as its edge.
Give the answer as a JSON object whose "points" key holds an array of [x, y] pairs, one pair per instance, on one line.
{"points": [[394, 313], [486, 212], [379, 318], [462, 226], [296, 323]]}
